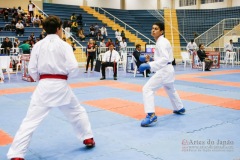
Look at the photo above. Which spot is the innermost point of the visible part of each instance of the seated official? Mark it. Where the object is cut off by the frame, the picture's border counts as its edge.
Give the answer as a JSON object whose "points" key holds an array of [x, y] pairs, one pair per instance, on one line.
{"points": [[110, 59], [204, 58], [6, 45], [137, 54]]}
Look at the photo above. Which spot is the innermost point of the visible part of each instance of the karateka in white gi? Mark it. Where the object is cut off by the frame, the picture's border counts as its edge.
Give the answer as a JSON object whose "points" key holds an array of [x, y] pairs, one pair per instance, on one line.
{"points": [[52, 62], [164, 76]]}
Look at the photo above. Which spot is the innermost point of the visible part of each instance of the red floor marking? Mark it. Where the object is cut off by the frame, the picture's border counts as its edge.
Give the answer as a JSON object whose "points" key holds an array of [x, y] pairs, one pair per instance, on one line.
{"points": [[124, 107], [190, 96], [5, 139]]}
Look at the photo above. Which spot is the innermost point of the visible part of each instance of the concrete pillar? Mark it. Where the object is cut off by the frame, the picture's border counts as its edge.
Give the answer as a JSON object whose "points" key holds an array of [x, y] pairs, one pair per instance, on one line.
{"points": [[229, 3], [123, 4], [159, 6], [198, 3], [85, 3]]}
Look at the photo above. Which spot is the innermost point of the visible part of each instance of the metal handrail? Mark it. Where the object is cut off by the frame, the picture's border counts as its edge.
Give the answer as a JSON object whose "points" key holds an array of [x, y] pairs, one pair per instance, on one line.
{"points": [[221, 23], [74, 40], [156, 14], [125, 24]]}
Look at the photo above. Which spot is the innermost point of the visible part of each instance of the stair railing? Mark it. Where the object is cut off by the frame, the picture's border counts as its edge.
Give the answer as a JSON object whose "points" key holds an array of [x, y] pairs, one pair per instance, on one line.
{"points": [[160, 17], [74, 40], [125, 24], [217, 31]]}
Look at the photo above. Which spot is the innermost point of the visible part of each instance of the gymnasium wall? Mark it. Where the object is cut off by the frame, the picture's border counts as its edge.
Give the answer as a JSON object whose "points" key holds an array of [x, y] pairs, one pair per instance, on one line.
{"points": [[16, 3]]}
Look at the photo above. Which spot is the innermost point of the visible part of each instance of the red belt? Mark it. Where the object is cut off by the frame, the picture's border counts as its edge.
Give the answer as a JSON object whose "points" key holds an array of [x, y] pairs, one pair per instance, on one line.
{"points": [[55, 76]]}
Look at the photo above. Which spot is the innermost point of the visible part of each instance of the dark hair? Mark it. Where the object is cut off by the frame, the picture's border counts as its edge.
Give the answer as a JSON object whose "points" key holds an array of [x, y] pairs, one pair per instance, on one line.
{"points": [[192, 40], [160, 25], [138, 45], [111, 44], [51, 23], [200, 45]]}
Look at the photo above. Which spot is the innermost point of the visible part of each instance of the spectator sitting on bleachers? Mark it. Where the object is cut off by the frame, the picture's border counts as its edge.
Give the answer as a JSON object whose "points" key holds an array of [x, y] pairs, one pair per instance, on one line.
{"points": [[25, 47], [13, 24], [104, 31], [79, 20], [32, 37], [6, 45], [20, 11], [96, 29], [36, 20], [92, 31], [74, 27], [73, 18], [118, 35], [20, 17], [5, 15], [14, 12], [109, 42], [123, 34], [98, 37], [117, 45], [42, 35], [81, 34], [41, 18], [19, 28]]}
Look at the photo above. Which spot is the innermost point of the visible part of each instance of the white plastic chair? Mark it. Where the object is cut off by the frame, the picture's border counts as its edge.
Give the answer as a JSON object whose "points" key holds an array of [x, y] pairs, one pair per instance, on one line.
{"points": [[110, 69], [5, 64], [19, 64], [123, 60], [230, 56], [136, 68], [186, 58]]}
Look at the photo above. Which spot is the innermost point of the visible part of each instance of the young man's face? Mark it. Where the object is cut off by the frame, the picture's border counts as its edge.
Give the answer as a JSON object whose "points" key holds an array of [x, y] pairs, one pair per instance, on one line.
{"points": [[111, 47], [156, 32], [139, 48]]}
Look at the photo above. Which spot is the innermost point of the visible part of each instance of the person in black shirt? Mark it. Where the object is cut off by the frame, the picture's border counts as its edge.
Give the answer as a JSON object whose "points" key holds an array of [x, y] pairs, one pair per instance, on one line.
{"points": [[6, 45], [137, 54], [204, 58]]}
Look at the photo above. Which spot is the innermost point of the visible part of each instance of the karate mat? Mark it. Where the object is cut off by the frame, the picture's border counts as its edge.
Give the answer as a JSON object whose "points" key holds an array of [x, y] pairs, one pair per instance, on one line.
{"points": [[209, 130]]}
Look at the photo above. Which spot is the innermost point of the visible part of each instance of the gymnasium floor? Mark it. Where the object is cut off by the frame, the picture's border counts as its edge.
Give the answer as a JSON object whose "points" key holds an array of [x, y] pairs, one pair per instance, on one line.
{"points": [[208, 131]]}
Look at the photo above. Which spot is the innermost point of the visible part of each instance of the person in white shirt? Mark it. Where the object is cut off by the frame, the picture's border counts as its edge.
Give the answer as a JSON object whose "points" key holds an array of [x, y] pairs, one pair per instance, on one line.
{"points": [[123, 46], [36, 20], [191, 47], [52, 62], [19, 28], [110, 59], [229, 46], [31, 7], [164, 76], [103, 30], [102, 46], [118, 35]]}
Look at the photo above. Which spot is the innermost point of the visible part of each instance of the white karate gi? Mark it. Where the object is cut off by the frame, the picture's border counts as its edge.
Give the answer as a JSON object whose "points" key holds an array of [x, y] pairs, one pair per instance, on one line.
{"points": [[164, 76], [51, 56]]}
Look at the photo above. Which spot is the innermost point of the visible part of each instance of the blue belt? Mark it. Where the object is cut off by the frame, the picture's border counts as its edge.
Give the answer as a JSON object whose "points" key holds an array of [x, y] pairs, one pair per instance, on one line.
{"points": [[169, 63]]}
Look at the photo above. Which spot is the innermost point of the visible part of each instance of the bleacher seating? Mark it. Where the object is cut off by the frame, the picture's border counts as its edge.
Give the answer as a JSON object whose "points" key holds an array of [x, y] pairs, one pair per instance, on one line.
{"points": [[199, 21], [65, 12], [141, 20]]}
